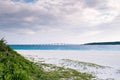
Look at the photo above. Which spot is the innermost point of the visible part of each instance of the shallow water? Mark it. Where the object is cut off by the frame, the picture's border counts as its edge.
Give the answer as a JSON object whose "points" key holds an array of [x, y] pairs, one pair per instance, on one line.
{"points": [[68, 47]]}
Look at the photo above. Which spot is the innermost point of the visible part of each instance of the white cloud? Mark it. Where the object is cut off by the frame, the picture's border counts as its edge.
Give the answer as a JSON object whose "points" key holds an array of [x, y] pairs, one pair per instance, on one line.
{"points": [[60, 20]]}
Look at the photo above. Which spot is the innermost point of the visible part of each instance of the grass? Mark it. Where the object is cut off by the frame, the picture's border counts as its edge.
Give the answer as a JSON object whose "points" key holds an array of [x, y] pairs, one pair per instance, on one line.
{"points": [[64, 73], [84, 63], [15, 67]]}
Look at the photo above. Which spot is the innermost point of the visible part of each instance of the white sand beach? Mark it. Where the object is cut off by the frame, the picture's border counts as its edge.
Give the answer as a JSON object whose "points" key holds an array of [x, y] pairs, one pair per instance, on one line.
{"points": [[104, 58], [99, 57]]}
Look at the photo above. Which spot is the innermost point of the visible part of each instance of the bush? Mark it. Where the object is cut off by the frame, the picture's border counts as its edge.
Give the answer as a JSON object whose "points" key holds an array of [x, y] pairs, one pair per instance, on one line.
{"points": [[16, 67]]}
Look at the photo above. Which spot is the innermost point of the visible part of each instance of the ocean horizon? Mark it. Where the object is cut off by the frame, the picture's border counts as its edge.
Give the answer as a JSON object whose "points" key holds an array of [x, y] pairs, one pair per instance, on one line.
{"points": [[68, 47]]}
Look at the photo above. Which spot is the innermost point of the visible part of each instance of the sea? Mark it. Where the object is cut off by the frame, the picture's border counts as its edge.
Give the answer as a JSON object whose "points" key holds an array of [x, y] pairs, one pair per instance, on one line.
{"points": [[68, 47], [108, 55]]}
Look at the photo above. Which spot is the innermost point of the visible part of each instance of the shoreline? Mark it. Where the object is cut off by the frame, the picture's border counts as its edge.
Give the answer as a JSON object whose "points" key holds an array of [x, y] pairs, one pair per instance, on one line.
{"points": [[103, 65], [106, 58]]}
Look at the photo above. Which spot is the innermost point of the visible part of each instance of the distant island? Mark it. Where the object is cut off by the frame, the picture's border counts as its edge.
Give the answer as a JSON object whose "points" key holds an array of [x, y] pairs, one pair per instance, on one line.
{"points": [[104, 43]]}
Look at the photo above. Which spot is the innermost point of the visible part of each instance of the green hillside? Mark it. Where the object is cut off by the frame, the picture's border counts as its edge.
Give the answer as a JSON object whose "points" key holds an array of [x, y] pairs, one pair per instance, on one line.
{"points": [[13, 66]]}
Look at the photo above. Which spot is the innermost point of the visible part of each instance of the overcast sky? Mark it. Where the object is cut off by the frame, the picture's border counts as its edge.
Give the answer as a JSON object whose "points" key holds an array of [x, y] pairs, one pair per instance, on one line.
{"points": [[59, 21]]}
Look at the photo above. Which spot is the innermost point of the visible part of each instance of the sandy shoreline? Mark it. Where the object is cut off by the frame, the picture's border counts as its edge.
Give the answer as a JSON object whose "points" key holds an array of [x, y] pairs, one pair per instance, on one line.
{"points": [[105, 58], [72, 59]]}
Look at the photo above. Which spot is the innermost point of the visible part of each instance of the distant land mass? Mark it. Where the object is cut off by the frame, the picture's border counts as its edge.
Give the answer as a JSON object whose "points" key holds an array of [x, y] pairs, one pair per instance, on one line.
{"points": [[63, 44], [104, 43]]}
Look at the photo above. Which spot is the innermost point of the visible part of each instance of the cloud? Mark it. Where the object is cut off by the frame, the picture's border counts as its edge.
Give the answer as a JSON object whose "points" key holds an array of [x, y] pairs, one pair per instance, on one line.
{"points": [[80, 18], [56, 12], [21, 14]]}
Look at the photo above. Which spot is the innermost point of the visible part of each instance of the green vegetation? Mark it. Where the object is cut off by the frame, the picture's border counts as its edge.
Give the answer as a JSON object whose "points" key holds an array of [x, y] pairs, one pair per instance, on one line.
{"points": [[84, 64], [104, 43], [15, 67]]}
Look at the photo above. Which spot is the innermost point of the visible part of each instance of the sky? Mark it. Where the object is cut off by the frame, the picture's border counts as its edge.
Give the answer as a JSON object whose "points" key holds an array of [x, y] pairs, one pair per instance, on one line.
{"points": [[59, 21]]}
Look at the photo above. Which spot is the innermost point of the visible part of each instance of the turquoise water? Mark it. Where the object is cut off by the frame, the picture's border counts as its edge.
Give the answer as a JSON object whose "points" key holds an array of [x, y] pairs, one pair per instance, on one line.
{"points": [[67, 47]]}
